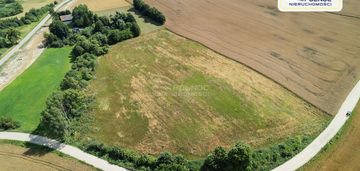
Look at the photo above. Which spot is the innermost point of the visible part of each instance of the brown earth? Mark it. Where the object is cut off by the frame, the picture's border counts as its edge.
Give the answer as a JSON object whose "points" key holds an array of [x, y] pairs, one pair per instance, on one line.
{"points": [[13, 157], [345, 153], [315, 55]]}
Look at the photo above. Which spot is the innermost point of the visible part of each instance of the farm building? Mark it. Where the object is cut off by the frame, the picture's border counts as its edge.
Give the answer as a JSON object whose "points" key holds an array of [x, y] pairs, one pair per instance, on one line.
{"points": [[66, 18]]}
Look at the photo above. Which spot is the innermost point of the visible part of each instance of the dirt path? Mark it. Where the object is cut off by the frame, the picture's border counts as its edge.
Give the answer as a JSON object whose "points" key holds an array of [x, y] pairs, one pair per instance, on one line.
{"points": [[22, 59], [14, 157], [315, 55]]}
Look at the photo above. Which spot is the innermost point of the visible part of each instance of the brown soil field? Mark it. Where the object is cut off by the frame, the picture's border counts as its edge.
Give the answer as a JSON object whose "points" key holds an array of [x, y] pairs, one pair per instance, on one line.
{"points": [[345, 153], [315, 55], [13, 157], [102, 5]]}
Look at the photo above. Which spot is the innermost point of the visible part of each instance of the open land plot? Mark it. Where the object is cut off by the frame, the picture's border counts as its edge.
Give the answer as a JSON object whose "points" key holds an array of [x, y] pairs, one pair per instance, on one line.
{"points": [[24, 99], [164, 92], [315, 55], [14, 157], [344, 152], [102, 5]]}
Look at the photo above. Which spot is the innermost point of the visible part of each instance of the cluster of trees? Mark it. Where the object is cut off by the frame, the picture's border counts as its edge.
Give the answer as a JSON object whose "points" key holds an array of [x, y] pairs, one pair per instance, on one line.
{"points": [[151, 12], [8, 123], [9, 37], [10, 8], [65, 108], [242, 157], [33, 15], [97, 31], [164, 162]]}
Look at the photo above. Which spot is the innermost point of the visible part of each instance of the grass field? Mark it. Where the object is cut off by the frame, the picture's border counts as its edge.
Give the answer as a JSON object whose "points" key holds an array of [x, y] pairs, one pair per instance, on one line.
{"points": [[343, 152], [163, 92], [24, 99], [31, 157]]}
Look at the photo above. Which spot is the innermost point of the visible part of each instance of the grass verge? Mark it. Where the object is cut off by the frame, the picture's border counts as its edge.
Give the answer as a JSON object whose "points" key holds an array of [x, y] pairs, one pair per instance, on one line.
{"points": [[342, 152], [24, 99]]}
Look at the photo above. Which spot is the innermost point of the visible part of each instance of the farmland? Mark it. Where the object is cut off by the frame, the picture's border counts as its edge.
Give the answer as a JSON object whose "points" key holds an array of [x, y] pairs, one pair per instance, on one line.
{"points": [[24, 99], [16, 157], [164, 92], [315, 55], [342, 153]]}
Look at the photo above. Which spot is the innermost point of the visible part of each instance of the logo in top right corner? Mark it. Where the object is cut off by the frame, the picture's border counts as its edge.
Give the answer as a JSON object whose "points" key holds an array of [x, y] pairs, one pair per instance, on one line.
{"points": [[310, 5]]}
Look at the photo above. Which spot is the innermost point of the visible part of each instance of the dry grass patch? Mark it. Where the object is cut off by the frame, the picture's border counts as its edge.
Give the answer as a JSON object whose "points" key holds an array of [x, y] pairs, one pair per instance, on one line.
{"points": [[102, 5], [163, 92]]}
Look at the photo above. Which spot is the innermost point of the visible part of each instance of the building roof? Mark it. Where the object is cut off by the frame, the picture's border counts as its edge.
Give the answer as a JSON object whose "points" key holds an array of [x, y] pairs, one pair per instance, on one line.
{"points": [[64, 18]]}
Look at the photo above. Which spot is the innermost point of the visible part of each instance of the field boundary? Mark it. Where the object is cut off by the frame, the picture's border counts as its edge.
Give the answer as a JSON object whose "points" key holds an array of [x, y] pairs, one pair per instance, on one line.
{"points": [[63, 148], [253, 69], [326, 136]]}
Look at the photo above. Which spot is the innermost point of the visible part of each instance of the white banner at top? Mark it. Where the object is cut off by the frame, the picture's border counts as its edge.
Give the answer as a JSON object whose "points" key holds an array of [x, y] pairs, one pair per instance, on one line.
{"points": [[310, 5]]}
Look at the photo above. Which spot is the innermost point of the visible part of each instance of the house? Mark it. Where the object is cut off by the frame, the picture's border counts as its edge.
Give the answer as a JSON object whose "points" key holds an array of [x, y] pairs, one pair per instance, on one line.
{"points": [[66, 18]]}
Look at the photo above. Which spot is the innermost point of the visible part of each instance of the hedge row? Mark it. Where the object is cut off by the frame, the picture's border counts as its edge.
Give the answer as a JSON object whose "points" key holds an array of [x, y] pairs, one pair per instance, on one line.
{"points": [[148, 11], [9, 8], [33, 15]]}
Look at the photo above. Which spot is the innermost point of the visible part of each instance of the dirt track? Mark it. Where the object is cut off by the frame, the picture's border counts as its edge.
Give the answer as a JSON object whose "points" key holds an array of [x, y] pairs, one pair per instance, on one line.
{"points": [[315, 55]]}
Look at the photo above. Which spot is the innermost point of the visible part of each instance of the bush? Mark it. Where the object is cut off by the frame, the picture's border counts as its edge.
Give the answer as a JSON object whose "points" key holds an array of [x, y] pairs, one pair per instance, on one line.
{"points": [[9, 8], [8, 123]]}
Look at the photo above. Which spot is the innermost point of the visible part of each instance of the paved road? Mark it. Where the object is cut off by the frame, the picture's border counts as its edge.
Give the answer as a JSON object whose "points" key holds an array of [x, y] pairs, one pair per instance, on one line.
{"points": [[312, 149], [66, 149], [30, 34]]}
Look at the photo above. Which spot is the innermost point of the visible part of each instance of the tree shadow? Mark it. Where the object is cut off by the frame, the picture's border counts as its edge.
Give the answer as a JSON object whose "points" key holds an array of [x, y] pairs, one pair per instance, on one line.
{"points": [[146, 19], [39, 146]]}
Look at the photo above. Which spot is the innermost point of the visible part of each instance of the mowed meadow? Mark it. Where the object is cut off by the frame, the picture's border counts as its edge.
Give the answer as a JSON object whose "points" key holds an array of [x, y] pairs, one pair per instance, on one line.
{"points": [[24, 99], [164, 92]]}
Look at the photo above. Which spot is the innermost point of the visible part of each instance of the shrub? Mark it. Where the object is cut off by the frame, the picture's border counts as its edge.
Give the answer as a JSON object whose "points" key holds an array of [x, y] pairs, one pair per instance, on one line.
{"points": [[8, 123]]}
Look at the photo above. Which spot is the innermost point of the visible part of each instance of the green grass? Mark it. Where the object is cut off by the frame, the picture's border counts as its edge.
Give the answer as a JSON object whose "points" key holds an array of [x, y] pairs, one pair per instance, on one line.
{"points": [[154, 93], [24, 99]]}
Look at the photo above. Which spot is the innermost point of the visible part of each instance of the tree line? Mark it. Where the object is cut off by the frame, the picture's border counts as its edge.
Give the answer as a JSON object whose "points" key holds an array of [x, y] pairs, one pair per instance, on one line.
{"points": [[66, 108], [9, 35], [151, 12], [10, 8], [33, 15]]}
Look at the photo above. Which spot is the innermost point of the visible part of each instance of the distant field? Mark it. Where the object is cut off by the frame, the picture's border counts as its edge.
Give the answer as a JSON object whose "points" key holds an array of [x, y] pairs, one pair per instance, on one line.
{"points": [[14, 157], [344, 152], [28, 4], [24, 99], [102, 5], [163, 92], [315, 55]]}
